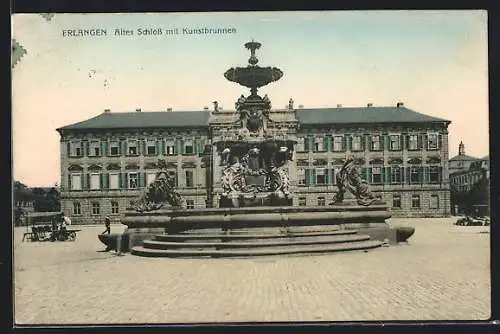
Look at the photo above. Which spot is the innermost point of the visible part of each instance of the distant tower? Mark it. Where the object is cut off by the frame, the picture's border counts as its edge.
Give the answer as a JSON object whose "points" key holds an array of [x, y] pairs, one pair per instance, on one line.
{"points": [[461, 149]]}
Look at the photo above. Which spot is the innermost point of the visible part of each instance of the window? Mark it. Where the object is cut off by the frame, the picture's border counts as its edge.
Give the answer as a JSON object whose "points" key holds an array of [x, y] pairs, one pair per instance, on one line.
{"points": [[395, 142], [321, 201], [414, 175], [189, 178], [300, 145], [415, 201], [375, 143], [151, 147], [76, 182], [395, 174], [434, 202], [434, 174], [396, 201], [413, 142], [301, 175], [188, 147], [113, 181], [95, 181], [114, 207], [318, 145], [170, 148], [302, 201], [132, 147], [114, 148], [95, 148], [96, 208], [150, 177], [376, 175], [356, 143], [320, 176], [337, 143], [432, 141], [132, 180], [75, 149], [77, 208], [189, 204], [173, 177]]}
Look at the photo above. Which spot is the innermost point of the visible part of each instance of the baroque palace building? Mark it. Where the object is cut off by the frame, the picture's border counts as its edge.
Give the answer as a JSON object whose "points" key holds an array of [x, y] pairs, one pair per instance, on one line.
{"points": [[108, 160]]}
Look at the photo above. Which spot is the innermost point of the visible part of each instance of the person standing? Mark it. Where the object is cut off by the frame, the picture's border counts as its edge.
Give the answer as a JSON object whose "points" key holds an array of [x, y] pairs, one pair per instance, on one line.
{"points": [[65, 221], [107, 223]]}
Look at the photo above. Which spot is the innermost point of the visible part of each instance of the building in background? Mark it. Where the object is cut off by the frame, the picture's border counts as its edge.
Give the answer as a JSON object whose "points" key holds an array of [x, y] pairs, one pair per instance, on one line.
{"points": [[469, 184], [107, 161]]}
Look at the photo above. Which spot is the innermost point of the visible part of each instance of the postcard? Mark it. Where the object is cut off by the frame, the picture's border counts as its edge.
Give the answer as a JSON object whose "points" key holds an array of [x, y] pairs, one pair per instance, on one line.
{"points": [[244, 167]]}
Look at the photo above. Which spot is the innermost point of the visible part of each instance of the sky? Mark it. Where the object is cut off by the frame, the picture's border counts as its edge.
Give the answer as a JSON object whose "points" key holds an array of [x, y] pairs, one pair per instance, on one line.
{"points": [[436, 62]]}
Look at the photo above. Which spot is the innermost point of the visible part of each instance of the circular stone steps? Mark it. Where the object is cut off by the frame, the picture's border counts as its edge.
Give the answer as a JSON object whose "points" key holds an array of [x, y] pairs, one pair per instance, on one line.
{"points": [[305, 249], [156, 244], [254, 243]]}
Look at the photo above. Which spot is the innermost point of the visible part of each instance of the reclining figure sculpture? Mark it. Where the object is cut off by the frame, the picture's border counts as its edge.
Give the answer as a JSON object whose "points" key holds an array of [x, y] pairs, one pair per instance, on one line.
{"points": [[159, 193], [349, 179]]}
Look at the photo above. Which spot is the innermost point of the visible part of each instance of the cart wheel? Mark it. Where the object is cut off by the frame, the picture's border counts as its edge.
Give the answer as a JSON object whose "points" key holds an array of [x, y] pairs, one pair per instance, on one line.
{"points": [[72, 236]]}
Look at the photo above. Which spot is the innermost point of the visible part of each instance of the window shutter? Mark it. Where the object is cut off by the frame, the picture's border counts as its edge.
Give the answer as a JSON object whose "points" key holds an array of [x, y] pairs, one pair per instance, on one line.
{"points": [[311, 143], [388, 175], [87, 181], [419, 142], [313, 176], [369, 142], [426, 174], [344, 143], [364, 140], [349, 143], [426, 141], [176, 179], [421, 174], [402, 174], [120, 180], [68, 148], [328, 143], [123, 147], [162, 146], [175, 148], [408, 171], [196, 148], [440, 139], [69, 182], [158, 147], [307, 176], [101, 181], [105, 180], [387, 142], [104, 148], [87, 149], [440, 176], [406, 141], [306, 144], [327, 176]]}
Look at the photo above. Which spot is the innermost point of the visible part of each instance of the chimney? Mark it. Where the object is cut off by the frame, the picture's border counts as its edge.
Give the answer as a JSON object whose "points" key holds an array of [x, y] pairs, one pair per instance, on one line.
{"points": [[169, 109], [138, 109], [400, 104], [369, 105], [339, 105], [107, 111], [205, 108]]}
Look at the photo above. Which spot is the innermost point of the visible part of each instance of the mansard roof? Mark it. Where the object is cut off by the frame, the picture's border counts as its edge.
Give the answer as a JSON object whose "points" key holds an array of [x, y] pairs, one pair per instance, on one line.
{"points": [[124, 120], [313, 116], [364, 115]]}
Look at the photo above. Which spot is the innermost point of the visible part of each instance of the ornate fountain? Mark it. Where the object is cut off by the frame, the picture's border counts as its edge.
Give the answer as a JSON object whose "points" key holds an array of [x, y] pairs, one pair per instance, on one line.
{"points": [[252, 148]]}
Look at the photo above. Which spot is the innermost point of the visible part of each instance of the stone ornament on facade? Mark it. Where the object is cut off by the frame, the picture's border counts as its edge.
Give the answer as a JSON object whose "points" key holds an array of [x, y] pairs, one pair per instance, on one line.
{"points": [[350, 179], [159, 193], [47, 16]]}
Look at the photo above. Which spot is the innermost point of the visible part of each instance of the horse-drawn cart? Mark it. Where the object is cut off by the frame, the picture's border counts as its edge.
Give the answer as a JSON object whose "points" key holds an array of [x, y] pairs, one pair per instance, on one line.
{"points": [[44, 226]]}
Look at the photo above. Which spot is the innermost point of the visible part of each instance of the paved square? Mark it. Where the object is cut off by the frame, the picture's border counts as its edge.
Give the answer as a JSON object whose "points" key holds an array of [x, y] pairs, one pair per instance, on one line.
{"points": [[443, 273]]}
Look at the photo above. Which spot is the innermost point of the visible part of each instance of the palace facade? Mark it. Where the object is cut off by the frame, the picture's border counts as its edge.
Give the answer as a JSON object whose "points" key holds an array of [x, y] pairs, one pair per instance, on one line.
{"points": [[108, 160]]}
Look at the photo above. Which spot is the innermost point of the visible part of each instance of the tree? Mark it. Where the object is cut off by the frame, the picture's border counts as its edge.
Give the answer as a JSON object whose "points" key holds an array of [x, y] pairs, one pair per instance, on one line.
{"points": [[46, 201]]}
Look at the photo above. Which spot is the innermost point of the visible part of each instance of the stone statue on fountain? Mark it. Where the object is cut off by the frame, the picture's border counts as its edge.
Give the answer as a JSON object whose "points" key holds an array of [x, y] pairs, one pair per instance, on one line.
{"points": [[159, 193], [350, 179]]}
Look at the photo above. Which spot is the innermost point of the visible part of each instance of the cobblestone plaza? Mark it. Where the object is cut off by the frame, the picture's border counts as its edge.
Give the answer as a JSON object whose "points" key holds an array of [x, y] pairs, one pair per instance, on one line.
{"points": [[442, 273]]}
